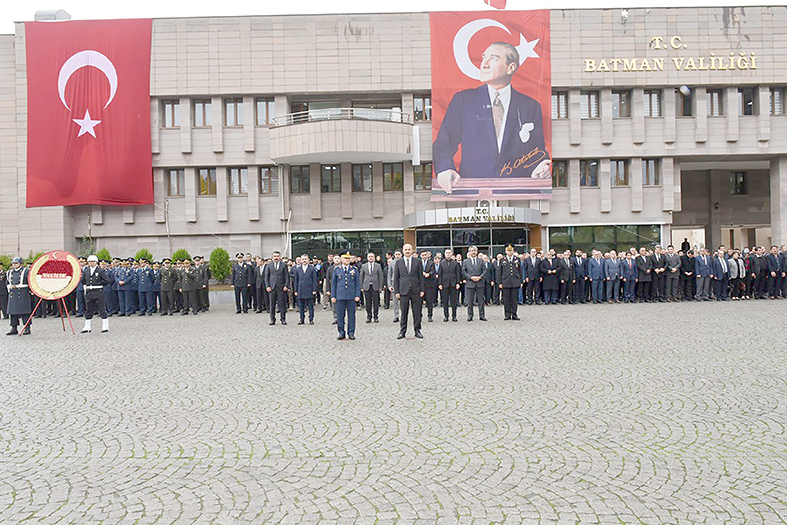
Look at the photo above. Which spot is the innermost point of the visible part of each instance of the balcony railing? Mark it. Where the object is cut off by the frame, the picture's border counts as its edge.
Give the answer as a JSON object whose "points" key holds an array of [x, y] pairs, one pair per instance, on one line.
{"points": [[316, 115]]}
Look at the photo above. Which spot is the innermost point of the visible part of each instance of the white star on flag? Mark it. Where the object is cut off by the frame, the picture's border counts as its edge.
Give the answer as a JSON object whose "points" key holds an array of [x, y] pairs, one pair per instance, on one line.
{"points": [[86, 125]]}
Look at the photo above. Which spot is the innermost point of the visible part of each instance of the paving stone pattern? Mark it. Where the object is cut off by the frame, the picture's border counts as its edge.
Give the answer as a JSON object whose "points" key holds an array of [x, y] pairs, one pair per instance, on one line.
{"points": [[652, 413]]}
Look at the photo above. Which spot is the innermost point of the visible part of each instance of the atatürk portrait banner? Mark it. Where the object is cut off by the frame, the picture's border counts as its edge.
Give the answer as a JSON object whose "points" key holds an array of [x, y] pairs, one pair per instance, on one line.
{"points": [[491, 105]]}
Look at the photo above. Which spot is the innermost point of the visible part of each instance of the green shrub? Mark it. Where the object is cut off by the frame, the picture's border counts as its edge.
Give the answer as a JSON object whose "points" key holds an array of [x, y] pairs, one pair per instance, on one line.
{"points": [[180, 255], [220, 265], [103, 254], [5, 260], [144, 253], [31, 257]]}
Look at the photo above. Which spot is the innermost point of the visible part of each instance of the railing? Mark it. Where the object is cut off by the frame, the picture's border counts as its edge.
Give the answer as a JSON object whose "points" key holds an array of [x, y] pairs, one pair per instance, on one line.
{"points": [[316, 115]]}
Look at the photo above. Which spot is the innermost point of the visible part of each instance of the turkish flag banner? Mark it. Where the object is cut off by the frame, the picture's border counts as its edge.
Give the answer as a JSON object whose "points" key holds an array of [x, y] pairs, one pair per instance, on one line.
{"points": [[88, 108]]}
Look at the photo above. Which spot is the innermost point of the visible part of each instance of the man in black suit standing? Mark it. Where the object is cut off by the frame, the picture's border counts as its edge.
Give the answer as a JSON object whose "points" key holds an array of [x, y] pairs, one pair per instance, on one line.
{"points": [[408, 283], [644, 275], [277, 280], [474, 272], [430, 283], [240, 281], [509, 282], [449, 277]]}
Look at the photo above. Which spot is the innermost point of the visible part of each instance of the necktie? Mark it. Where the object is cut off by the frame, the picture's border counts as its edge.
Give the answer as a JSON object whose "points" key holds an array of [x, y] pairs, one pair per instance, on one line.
{"points": [[497, 115], [370, 267], [407, 263], [277, 266]]}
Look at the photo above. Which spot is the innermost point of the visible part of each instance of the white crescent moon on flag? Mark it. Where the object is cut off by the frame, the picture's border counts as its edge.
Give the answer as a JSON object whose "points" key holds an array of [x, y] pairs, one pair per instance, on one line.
{"points": [[462, 40], [56, 255], [84, 59]]}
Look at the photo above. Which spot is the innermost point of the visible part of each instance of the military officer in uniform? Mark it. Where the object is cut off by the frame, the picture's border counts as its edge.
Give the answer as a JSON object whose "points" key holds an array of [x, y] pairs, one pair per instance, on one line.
{"points": [[188, 285], [145, 282], [19, 305], [93, 281], [345, 293], [509, 281], [168, 278], [125, 278], [240, 281]]}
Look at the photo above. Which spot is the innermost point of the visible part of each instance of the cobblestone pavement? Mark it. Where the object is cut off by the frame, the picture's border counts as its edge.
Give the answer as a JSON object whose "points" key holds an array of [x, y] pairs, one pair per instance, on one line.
{"points": [[652, 413]]}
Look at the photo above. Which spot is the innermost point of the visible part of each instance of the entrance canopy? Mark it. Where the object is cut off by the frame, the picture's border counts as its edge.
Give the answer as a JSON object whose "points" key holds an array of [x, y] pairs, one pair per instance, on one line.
{"points": [[496, 215]]}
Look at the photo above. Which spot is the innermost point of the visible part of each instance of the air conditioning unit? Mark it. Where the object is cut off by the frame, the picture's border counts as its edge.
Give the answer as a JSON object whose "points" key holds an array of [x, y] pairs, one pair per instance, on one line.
{"points": [[487, 204]]}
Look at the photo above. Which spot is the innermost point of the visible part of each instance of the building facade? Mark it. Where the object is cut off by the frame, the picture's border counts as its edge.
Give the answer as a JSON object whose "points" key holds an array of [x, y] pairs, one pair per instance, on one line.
{"points": [[313, 134]]}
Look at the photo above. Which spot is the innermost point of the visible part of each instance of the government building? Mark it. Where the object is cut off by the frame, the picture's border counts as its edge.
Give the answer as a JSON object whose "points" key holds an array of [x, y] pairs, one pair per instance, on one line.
{"points": [[313, 134]]}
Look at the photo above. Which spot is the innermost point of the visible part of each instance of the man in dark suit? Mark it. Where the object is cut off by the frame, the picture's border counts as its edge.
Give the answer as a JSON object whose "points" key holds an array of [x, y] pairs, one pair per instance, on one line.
{"points": [[580, 271], [596, 276], [612, 275], [549, 275], [659, 268], [773, 263], [629, 277], [783, 264], [372, 280], [509, 282], [565, 276], [702, 270], [474, 271], [408, 283], [240, 281], [687, 275], [720, 275], [531, 272], [672, 275], [430, 283], [500, 128], [644, 275], [305, 288], [277, 284], [449, 276]]}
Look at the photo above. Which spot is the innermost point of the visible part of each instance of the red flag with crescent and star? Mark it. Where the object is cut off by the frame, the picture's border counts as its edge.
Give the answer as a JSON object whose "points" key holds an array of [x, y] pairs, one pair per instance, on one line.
{"points": [[88, 113]]}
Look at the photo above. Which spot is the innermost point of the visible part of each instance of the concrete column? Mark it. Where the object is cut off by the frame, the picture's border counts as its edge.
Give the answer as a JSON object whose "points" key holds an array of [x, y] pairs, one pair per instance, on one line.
{"points": [[701, 115], [607, 131], [605, 182], [155, 125], [573, 186], [731, 113], [378, 201], [574, 118], [248, 123], [764, 114], [638, 115], [636, 184], [668, 112], [128, 214], [185, 125], [409, 188], [159, 195], [347, 190], [222, 191], [718, 183], [190, 179], [97, 215], [779, 200], [315, 190], [676, 189], [284, 190], [217, 114], [667, 184], [254, 193]]}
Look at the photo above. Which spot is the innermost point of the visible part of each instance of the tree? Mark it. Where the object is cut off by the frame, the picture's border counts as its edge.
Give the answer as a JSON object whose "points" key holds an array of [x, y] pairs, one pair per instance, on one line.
{"points": [[103, 254], [144, 253], [31, 257], [5, 260], [180, 254], [220, 265]]}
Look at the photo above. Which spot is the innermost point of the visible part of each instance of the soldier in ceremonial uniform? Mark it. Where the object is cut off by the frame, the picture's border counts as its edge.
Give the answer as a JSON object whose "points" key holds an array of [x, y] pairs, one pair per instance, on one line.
{"points": [[509, 281], [145, 282], [188, 286], [19, 300], [168, 278], [345, 293], [93, 281]]}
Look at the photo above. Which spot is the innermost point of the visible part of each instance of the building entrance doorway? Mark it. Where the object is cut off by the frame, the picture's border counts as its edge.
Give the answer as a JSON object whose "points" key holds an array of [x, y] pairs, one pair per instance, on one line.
{"points": [[694, 236]]}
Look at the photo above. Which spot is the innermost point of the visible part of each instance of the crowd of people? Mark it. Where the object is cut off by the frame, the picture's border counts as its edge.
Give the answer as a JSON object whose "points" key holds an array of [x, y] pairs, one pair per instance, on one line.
{"points": [[408, 282]]}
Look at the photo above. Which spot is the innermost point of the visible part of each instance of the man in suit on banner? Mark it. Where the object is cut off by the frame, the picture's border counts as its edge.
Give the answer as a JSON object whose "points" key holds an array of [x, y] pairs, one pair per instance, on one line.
{"points": [[501, 129]]}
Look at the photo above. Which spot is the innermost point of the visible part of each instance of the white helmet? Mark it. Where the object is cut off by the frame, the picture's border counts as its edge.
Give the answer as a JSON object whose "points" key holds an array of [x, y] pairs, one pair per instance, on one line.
{"points": [[92, 258]]}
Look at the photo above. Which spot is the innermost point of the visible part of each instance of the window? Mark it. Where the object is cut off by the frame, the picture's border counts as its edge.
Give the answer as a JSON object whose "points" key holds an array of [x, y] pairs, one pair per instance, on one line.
{"points": [[422, 108], [588, 104], [233, 111], [239, 181], [362, 177], [650, 172], [738, 184], [203, 116], [331, 179], [652, 103], [206, 178], [619, 170], [747, 101], [559, 105], [269, 180], [621, 104], [560, 174], [683, 101], [176, 183], [299, 179], [715, 103], [393, 177], [423, 176], [265, 110], [777, 101], [588, 173], [171, 113]]}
